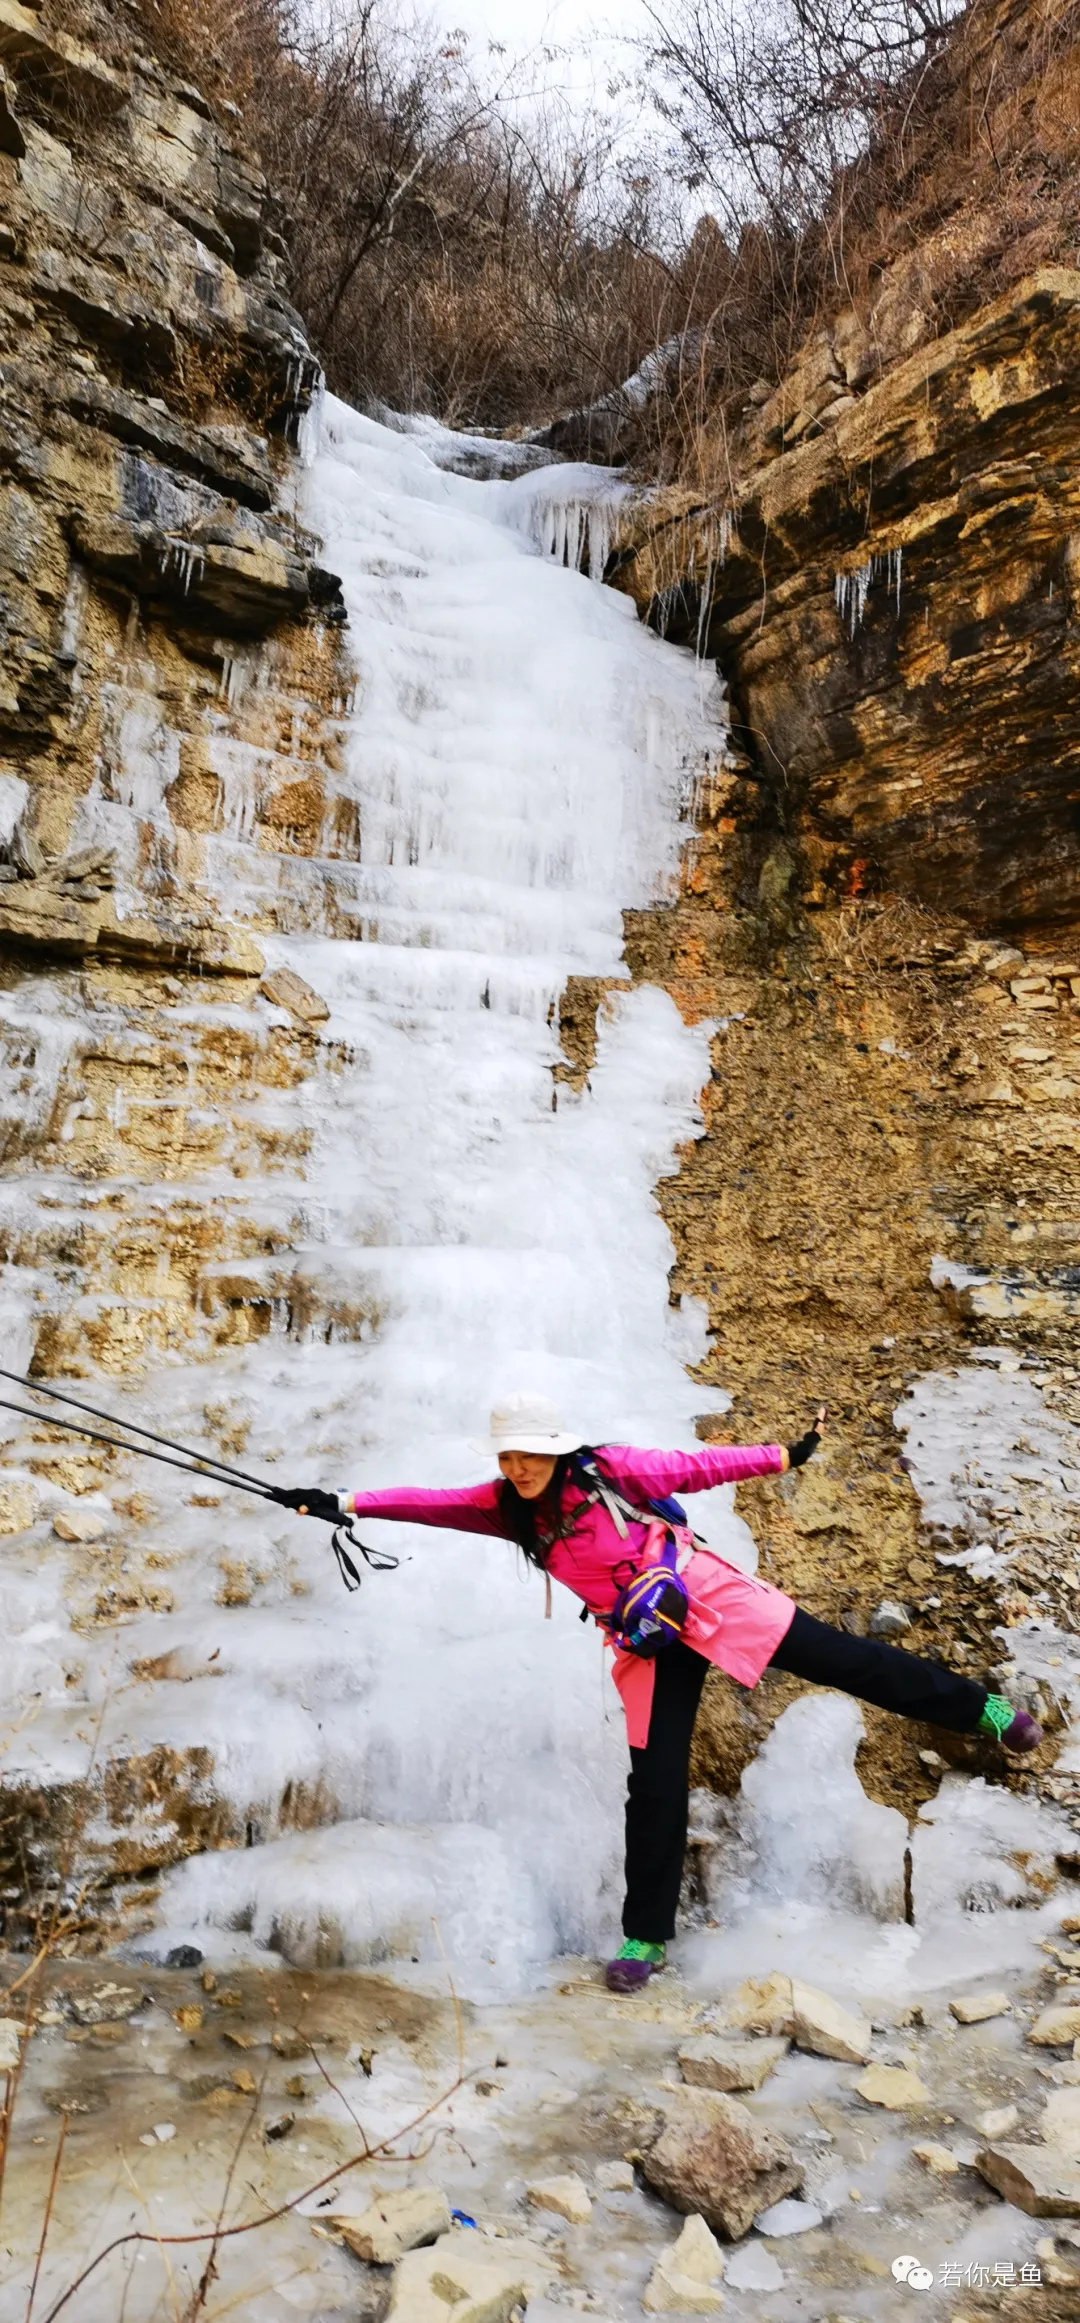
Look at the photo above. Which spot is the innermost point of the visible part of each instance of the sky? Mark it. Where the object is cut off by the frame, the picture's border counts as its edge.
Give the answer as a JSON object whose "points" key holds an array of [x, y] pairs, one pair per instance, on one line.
{"points": [[596, 30], [525, 24]]}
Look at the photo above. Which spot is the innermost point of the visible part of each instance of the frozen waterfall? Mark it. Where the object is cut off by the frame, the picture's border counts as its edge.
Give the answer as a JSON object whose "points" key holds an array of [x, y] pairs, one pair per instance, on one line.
{"points": [[521, 753]]}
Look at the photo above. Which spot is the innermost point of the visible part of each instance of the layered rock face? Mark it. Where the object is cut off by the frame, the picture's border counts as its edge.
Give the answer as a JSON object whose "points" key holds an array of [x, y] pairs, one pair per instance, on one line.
{"points": [[153, 378], [893, 597], [887, 565], [170, 671]]}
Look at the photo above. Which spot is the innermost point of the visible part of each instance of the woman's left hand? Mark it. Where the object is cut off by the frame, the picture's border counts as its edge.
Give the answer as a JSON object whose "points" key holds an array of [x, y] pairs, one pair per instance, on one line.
{"points": [[797, 1454]]}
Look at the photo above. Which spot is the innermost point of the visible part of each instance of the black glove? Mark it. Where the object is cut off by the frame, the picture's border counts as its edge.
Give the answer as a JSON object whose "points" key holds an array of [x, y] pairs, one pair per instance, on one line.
{"points": [[311, 1502], [807, 1445]]}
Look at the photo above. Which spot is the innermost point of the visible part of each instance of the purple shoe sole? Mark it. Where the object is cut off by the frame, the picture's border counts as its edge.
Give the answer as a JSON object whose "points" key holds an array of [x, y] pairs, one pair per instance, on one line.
{"points": [[1023, 1735], [628, 1975]]}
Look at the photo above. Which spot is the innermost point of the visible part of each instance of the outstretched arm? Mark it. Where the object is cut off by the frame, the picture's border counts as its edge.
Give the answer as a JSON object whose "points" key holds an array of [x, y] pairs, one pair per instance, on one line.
{"points": [[656, 1474], [473, 1509]]}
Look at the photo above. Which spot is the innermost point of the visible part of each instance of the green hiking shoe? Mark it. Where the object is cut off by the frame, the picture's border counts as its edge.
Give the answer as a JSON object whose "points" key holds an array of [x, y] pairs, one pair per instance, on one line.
{"points": [[633, 1965], [1014, 1729]]}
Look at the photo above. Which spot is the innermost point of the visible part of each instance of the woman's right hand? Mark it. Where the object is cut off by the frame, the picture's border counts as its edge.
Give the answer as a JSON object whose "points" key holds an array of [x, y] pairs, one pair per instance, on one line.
{"points": [[310, 1500]]}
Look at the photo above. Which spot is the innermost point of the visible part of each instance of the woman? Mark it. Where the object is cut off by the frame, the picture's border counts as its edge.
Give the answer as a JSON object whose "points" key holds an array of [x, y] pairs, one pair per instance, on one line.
{"points": [[588, 1519]]}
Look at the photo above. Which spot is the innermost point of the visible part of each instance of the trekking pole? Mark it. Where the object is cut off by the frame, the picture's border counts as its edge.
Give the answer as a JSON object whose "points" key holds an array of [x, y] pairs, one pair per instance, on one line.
{"points": [[135, 1428], [191, 1463]]}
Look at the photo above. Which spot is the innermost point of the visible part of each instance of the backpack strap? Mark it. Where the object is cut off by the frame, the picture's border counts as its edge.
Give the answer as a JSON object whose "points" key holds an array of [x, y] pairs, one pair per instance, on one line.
{"points": [[625, 1512]]}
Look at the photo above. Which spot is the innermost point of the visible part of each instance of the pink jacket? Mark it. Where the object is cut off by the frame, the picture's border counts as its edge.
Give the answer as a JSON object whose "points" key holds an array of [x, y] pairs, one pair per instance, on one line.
{"points": [[734, 1620]]}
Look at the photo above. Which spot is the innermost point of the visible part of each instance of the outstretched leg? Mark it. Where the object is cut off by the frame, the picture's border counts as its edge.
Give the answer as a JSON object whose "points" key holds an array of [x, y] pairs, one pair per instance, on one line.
{"points": [[898, 1681]]}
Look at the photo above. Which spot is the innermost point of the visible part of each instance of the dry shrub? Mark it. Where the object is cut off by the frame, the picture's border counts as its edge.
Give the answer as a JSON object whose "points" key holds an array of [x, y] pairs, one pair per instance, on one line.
{"points": [[926, 181], [449, 248], [452, 251]]}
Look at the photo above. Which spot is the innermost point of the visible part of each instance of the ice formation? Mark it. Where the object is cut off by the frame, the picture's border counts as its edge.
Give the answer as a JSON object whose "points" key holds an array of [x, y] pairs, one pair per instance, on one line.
{"points": [[977, 1846], [812, 1834], [571, 512], [974, 1435], [520, 752]]}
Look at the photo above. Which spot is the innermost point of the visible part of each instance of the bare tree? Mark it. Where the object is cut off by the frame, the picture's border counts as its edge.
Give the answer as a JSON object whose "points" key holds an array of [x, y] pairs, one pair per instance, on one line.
{"points": [[767, 106]]}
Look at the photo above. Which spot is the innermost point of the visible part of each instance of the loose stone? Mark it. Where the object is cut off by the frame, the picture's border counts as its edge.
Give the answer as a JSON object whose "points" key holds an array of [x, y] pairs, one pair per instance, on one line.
{"points": [[893, 2086], [975, 2008], [707, 2063], [711, 2156], [1038, 2179], [784, 2005], [686, 2279], [937, 2159], [1057, 2027], [398, 2222], [568, 2197]]}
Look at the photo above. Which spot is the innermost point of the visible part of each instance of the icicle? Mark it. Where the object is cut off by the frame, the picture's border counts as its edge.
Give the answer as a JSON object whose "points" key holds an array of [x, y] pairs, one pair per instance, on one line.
{"points": [[852, 589], [572, 513], [704, 607], [309, 430], [186, 560]]}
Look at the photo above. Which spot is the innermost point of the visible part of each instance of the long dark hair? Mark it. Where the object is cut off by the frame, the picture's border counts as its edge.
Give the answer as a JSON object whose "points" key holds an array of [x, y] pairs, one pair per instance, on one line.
{"points": [[519, 1516]]}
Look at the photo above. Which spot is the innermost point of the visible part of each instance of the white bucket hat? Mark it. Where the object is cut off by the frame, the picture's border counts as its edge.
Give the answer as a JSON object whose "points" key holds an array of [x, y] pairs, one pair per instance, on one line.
{"points": [[527, 1423]]}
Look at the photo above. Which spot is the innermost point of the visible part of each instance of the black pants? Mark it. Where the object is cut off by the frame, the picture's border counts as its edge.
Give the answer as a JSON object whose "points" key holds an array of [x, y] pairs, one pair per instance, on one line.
{"points": [[658, 1792]]}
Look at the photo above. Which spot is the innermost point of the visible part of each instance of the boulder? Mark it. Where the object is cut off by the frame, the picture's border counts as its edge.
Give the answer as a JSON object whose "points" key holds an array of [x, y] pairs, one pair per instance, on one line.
{"points": [[894, 2086], [284, 989], [975, 2007], [396, 2223], [567, 2196], [468, 2277], [784, 2005], [1057, 2027], [712, 2157], [686, 2280], [709, 2063], [1039, 2179]]}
